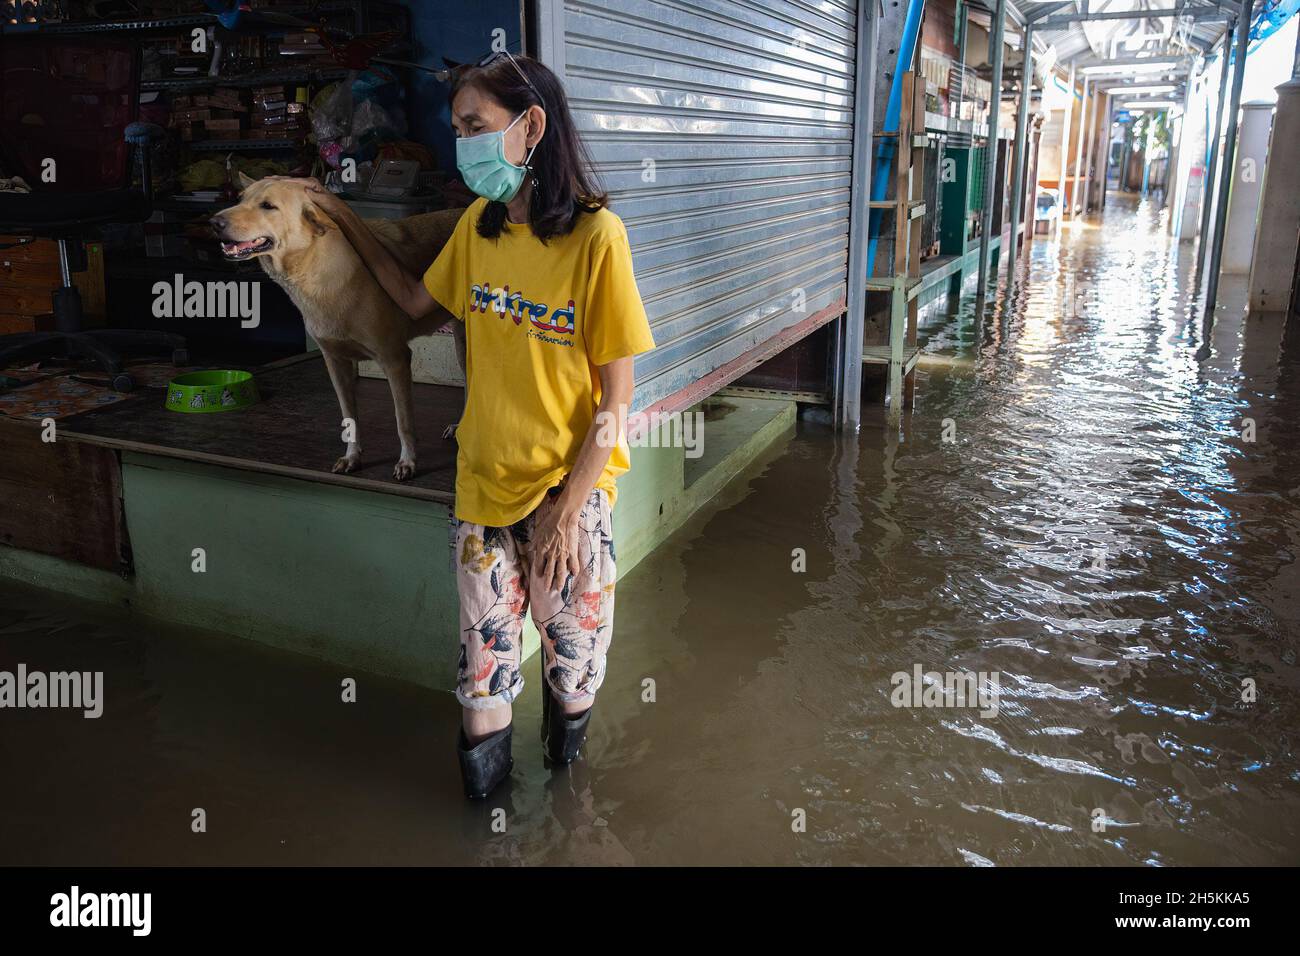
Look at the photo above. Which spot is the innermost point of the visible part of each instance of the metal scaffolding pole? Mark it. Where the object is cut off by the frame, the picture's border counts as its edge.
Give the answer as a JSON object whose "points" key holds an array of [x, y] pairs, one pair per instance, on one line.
{"points": [[1078, 147], [996, 44], [964, 13], [1229, 157], [848, 343], [1022, 142], [1105, 163], [1213, 134], [1295, 64], [1068, 114], [1088, 150]]}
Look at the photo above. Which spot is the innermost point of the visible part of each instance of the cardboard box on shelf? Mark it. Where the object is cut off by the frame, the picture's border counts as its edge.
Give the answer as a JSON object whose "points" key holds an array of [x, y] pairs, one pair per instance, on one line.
{"points": [[224, 95], [181, 117], [302, 38]]}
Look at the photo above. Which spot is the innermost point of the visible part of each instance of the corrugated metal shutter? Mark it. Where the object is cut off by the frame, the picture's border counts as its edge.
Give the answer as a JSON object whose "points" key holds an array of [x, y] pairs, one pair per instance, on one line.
{"points": [[723, 130]]}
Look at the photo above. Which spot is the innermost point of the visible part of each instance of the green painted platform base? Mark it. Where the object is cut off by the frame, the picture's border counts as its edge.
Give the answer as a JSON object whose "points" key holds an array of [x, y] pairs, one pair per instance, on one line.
{"points": [[950, 274], [359, 578]]}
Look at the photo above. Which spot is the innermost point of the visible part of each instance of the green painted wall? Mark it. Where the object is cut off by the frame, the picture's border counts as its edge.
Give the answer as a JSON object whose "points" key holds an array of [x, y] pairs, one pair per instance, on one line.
{"points": [[353, 577], [356, 577]]}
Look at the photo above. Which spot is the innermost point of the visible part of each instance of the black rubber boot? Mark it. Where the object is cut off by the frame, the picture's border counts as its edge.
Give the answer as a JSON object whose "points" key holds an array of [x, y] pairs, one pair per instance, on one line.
{"points": [[562, 735], [486, 764]]}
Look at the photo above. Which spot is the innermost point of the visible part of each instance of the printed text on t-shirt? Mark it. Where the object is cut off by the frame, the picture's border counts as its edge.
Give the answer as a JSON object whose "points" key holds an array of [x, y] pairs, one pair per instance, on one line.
{"points": [[515, 304]]}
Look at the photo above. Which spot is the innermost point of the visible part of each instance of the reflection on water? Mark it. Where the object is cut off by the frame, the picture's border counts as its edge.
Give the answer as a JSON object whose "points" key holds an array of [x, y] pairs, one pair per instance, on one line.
{"points": [[1096, 532]]}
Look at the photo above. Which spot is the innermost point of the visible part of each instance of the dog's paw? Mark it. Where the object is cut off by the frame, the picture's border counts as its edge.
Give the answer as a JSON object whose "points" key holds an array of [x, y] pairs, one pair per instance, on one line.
{"points": [[450, 431], [346, 464], [404, 469]]}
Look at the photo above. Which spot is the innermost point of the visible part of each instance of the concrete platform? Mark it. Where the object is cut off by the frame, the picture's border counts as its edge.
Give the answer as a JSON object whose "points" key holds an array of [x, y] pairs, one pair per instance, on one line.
{"points": [[353, 569], [294, 431]]}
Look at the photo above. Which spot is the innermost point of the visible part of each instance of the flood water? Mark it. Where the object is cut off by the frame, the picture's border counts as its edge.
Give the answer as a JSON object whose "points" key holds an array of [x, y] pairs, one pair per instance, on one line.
{"points": [[1097, 533]]}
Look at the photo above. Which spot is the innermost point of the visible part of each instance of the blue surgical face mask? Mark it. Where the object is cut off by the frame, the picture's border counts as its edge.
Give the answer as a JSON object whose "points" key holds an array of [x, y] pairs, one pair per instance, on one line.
{"points": [[482, 162]]}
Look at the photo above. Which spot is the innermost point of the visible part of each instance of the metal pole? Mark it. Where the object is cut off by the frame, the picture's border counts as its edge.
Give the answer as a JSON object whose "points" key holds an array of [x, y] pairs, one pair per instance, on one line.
{"points": [[964, 13], [1078, 147], [1068, 115], [848, 372], [1022, 153], [1176, 159], [1229, 157], [1105, 165], [991, 159], [1213, 133], [1088, 150], [1295, 64], [1124, 155], [1146, 158]]}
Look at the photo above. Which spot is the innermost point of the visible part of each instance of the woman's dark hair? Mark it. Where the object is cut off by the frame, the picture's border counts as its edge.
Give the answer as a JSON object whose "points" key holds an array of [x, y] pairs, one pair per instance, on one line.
{"points": [[564, 184]]}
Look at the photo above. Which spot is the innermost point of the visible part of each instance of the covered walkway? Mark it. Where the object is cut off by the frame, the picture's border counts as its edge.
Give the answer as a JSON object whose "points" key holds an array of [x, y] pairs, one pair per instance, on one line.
{"points": [[1039, 113]]}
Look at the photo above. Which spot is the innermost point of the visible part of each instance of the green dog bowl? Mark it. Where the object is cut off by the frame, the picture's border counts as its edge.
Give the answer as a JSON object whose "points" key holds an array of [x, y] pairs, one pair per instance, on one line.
{"points": [[216, 390]]}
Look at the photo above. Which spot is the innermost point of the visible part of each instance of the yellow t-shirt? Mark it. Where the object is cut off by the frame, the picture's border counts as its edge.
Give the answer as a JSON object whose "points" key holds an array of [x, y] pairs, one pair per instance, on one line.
{"points": [[538, 320]]}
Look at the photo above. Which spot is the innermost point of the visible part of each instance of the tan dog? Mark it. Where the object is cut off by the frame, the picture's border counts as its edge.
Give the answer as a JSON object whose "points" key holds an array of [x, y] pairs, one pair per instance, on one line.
{"points": [[346, 311]]}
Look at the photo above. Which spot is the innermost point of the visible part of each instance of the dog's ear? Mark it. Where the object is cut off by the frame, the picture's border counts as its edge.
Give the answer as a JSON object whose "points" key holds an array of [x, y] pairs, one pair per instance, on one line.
{"points": [[245, 181], [316, 220]]}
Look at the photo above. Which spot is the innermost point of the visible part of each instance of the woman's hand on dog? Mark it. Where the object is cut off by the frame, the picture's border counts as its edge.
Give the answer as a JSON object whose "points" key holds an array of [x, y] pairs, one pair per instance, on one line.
{"points": [[554, 547], [315, 190]]}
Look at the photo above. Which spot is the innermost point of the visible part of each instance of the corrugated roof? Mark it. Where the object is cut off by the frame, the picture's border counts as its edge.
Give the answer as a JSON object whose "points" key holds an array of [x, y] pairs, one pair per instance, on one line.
{"points": [[1097, 41]]}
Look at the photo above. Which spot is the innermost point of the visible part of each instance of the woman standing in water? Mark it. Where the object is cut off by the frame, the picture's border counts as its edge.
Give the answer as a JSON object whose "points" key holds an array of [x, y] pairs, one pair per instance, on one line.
{"points": [[540, 273]]}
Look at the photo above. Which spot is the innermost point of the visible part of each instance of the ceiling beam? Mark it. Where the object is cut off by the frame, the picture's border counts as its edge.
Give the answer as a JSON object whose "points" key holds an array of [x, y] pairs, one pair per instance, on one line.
{"points": [[1198, 15], [1103, 68], [1043, 10]]}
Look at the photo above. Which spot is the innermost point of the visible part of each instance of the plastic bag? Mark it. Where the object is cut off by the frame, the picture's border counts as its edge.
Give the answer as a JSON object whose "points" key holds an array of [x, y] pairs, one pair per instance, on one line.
{"points": [[361, 114], [331, 119]]}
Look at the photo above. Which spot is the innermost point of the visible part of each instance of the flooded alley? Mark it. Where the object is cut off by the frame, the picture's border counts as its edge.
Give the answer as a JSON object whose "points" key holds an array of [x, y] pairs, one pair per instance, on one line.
{"points": [[1084, 503]]}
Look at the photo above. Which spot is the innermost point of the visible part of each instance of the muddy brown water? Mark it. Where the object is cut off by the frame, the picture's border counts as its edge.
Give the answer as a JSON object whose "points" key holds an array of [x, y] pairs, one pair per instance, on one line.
{"points": [[1097, 533]]}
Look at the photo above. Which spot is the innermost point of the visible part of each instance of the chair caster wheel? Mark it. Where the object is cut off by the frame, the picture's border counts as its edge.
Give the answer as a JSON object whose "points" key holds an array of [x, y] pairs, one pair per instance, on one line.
{"points": [[123, 382], [181, 357]]}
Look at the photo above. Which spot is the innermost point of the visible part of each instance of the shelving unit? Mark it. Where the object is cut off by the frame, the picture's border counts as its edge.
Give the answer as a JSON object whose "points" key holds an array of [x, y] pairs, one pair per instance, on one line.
{"points": [[296, 75], [137, 24], [904, 285], [233, 67], [347, 20], [110, 26], [242, 145]]}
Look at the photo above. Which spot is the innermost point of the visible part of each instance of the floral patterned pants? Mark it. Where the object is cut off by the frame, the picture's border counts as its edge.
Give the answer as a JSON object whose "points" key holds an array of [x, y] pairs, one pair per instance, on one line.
{"points": [[497, 583]]}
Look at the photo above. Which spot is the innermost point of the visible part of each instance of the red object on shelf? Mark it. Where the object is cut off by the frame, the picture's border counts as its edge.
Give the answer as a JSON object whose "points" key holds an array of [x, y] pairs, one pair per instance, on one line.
{"points": [[356, 53]]}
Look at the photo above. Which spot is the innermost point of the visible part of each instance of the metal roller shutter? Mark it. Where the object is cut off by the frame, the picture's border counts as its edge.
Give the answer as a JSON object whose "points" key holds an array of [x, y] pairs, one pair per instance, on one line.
{"points": [[723, 130]]}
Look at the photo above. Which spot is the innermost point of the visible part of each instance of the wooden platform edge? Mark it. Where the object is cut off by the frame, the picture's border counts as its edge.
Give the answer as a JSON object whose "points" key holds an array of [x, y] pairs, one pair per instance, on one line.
{"points": [[265, 468]]}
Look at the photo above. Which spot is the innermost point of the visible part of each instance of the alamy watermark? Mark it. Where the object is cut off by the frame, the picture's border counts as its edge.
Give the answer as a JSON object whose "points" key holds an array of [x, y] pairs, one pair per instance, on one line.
{"points": [[946, 689], [77, 909], [208, 300], [654, 430], [77, 690]]}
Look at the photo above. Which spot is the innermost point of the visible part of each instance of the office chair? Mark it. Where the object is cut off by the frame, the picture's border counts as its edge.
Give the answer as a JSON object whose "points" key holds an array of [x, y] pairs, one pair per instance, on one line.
{"points": [[68, 109]]}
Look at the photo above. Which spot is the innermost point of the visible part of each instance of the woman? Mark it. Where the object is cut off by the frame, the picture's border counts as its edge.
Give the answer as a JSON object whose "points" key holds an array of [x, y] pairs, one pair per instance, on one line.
{"points": [[540, 273]]}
